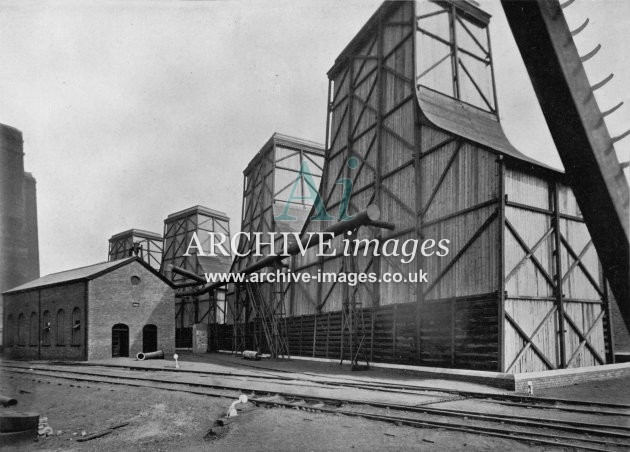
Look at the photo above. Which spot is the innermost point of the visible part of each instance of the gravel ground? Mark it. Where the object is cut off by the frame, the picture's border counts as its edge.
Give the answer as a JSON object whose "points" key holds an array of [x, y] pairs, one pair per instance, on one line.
{"points": [[166, 421]]}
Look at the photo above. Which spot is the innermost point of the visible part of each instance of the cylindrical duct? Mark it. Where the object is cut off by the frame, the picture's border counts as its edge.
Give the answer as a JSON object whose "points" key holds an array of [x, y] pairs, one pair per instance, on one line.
{"points": [[150, 355]]}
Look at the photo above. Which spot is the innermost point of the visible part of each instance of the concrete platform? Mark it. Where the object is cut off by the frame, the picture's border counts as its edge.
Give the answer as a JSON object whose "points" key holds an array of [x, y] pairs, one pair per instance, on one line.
{"points": [[437, 378]]}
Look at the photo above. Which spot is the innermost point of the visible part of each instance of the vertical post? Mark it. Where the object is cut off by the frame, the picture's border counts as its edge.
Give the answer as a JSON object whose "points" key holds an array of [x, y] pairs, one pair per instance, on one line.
{"points": [[419, 291], [327, 334], [372, 322], [394, 332], [303, 200], [237, 294], [609, 320], [501, 364], [452, 315], [494, 85], [455, 58], [272, 187], [351, 325], [558, 289], [328, 116], [329, 109], [315, 334], [301, 334], [349, 150], [39, 323], [380, 89]]}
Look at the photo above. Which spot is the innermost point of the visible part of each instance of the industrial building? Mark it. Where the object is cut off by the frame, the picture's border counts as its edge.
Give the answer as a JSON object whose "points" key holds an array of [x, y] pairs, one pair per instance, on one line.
{"points": [[112, 309], [414, 151], [19, 249], [413, 103]]}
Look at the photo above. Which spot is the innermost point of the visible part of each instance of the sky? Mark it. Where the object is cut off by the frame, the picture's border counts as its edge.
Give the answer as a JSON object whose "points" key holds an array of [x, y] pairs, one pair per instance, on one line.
{"points": [[134, 110]]}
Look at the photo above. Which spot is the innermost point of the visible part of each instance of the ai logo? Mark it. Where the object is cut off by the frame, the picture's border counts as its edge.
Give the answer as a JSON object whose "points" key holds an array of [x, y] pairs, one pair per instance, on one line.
{"points": [[321, 214]]}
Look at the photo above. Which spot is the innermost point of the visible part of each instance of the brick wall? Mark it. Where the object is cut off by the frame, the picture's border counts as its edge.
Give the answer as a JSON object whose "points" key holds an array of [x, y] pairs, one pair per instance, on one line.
{"points": [[58, 344], [113, 299], [568, 377]]}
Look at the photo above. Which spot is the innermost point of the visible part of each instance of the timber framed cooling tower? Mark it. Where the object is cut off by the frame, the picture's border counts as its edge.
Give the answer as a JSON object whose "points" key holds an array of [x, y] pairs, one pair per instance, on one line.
{"points": [[136, 242], [272, 203], [413, 123], [179, 230]]}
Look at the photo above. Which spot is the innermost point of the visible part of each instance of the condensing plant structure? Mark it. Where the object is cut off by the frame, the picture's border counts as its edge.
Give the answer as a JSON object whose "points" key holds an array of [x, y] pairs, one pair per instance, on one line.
{"points": [[178, 267], [136, 242], [279, 187], [413, 123]]}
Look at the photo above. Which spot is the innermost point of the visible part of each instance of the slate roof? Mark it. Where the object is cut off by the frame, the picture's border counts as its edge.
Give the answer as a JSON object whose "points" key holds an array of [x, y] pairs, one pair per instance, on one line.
{"points": [[80, 274]]}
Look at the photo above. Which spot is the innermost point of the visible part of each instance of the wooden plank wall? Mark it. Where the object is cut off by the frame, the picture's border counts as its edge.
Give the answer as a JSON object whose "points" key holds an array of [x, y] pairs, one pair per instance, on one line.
{"points": [[393, 339], [537, 308]]}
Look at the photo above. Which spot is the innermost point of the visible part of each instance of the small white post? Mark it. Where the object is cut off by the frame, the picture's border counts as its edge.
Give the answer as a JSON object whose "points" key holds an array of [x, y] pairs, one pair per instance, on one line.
{"points": [[530, 387], [176, 363]]}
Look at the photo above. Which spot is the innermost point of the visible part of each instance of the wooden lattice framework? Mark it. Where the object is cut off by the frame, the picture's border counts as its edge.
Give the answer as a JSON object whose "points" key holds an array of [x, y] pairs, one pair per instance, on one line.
{"points": [[274, 188], [144, 244], [178, 232], [556, 305], [441, 167], [520, 289], [578, 127]]}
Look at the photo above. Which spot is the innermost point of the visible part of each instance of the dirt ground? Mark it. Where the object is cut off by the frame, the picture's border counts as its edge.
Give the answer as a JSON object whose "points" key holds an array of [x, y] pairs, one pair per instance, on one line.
{"points": [[166, 421]]}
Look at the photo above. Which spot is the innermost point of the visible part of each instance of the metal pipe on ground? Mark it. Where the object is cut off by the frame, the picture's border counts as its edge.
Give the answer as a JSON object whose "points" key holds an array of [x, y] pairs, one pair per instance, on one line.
{"points": [[150, 355], [251, 354], [369, 217]]}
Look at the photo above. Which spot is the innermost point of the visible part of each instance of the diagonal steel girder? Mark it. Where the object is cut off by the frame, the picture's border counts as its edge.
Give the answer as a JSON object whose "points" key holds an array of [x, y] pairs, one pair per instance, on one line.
{"points": [[579, 132]]}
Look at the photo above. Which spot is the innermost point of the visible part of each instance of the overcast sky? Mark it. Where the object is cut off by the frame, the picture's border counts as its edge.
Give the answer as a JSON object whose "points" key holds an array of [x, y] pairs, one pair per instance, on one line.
{"points": [[134, 110]]}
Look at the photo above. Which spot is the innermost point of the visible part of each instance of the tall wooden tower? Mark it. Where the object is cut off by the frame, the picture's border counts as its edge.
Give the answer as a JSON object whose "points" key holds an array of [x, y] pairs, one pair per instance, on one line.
{"points": [[179, 228], [279, 188], [413, 100], [136, 242]]}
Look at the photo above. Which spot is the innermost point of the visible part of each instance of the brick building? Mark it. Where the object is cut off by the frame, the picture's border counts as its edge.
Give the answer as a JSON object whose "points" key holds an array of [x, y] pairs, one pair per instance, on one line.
{"points": [[111, 309]]}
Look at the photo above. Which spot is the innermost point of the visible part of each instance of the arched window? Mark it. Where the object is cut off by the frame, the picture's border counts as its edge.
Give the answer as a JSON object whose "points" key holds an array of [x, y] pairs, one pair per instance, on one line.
{"points": [[76, 326], [10, 331], [33, 337], [46, 328], [21, 329], [61, 322]]}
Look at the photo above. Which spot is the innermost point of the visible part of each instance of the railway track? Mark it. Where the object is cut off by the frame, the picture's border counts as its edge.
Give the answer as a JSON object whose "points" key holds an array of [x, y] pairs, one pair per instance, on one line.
{"points": [[515, 400], [558, 432]]}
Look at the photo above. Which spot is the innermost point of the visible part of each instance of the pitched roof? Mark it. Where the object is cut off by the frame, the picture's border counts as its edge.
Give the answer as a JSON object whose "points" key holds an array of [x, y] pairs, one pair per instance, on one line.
{"points": [[80, 274], [136, 233], [286, 141], [197, 209]]}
